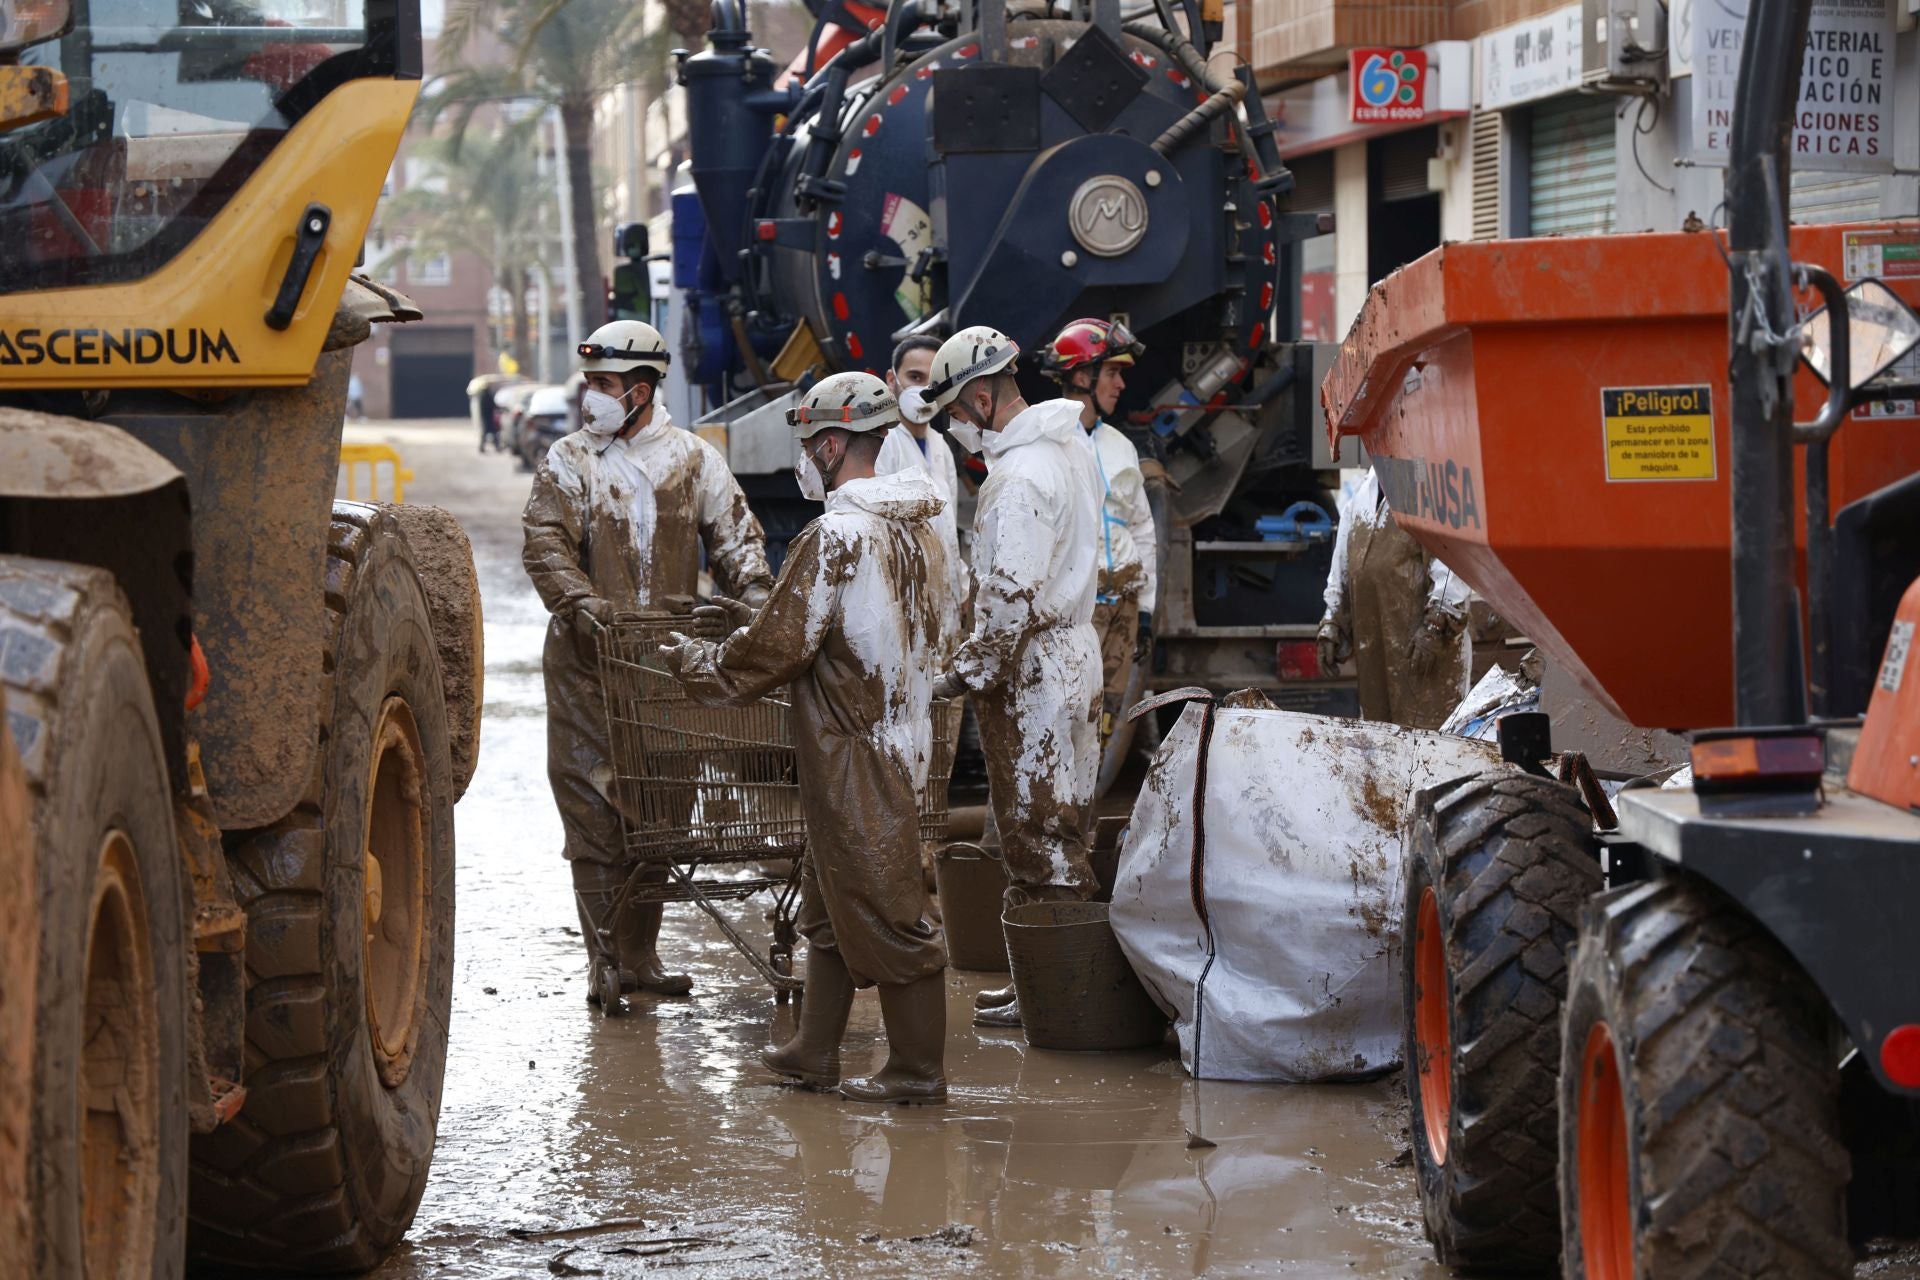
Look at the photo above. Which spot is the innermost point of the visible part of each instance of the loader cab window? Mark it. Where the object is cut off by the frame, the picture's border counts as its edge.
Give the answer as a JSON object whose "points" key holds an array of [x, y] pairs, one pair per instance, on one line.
{"points": [[174, 104]]}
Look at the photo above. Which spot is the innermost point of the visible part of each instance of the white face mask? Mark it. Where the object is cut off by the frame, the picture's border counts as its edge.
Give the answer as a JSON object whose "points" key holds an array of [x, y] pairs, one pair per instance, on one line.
{"points": [[967, 434], [603, 414], [914, 407], [812, 486]]}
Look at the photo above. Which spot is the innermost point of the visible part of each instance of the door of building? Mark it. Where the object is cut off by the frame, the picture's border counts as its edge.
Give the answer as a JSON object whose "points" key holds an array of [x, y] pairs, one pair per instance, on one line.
{"points": [[1570, 169], [431, 368]]}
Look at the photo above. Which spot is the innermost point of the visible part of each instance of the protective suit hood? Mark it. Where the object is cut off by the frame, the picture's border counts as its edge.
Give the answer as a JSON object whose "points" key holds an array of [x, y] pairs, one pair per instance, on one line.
{"points": [[910, 496], [1048, 420]]}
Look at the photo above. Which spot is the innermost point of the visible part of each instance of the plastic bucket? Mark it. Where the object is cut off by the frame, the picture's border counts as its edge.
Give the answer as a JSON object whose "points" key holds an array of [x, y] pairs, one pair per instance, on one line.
{"points": [[1076, 989], [971, 884]]}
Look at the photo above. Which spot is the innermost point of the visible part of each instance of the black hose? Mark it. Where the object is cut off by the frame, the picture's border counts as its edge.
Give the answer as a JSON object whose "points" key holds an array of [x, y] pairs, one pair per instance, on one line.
{"points": [[1220, 103]]}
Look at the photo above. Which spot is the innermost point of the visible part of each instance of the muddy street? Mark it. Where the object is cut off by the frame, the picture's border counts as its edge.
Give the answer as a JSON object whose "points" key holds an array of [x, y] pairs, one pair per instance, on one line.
{"points": [[576, 1145], [570, 1144]]}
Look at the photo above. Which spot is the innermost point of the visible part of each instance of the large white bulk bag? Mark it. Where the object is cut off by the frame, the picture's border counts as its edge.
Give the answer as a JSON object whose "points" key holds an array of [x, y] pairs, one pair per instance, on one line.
{"points": [[1295, 973]]}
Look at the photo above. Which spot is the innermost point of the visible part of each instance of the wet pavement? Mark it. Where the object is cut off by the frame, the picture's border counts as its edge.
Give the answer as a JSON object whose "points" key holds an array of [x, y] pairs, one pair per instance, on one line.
{"points": [[570, 1144]]}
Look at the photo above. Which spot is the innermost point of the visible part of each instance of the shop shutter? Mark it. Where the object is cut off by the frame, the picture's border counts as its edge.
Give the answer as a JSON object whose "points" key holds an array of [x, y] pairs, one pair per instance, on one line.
{"points": [[1835, 197], [1570, 169], [1402, 160], [1312, 183], [1486, 175]]}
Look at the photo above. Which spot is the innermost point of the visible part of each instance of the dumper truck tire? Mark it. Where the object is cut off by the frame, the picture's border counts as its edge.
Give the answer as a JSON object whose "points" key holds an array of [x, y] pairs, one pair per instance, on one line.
{"points": [[1500, 868], [444, 557], [107, 1181], [349, 903], [1699, 1099]]}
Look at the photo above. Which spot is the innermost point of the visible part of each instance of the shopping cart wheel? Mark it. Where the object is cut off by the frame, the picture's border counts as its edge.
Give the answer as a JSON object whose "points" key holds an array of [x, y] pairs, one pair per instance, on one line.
{"points": [[782, 962], [606, 981]]}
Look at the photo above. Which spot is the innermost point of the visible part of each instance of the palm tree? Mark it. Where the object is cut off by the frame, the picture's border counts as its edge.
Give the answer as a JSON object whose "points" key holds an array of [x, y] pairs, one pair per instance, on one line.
{"points": [[566, 54], [483, 199]]}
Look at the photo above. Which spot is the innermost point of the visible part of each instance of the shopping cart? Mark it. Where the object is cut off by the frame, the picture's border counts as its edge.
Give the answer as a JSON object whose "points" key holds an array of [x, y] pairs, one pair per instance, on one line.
{"points": [[709, 796]]}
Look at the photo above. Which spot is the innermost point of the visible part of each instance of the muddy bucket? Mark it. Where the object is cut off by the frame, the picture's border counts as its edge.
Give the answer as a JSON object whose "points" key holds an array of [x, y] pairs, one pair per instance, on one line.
{"points": [[971, 883], [1076, 989]]}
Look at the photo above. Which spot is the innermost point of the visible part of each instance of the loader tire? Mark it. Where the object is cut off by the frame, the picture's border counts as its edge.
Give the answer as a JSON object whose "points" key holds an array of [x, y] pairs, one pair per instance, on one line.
{"points": [[349, 903], [107, 1181], [1500, 869], [444, 558], [1700, 1125]]}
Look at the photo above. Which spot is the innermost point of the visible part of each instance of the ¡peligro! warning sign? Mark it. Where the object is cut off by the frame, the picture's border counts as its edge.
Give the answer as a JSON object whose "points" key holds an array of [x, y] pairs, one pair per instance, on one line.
{"points": [[1658, 433]]}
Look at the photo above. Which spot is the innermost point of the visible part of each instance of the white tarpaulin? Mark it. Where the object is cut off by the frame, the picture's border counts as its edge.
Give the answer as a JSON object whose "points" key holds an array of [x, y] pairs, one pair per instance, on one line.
{"points": [[1300, 876]]}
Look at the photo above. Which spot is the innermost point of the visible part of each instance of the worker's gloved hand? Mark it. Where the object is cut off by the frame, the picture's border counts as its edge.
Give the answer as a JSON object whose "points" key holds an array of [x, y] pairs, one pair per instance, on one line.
{"points": [[948, 685], [673, 654], [1429, 642], [590, 613], [1143, 639], [720, 619], [1335, 645]]}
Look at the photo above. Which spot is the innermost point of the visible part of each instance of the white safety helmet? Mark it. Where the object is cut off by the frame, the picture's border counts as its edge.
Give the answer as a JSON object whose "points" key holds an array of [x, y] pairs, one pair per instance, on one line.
{"points": [[624, 346], [849, 401], [974, 352]]}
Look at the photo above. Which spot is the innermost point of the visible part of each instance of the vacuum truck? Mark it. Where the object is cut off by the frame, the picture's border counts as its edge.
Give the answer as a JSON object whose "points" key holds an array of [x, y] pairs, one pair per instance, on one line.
{"points": [[924, 167]]}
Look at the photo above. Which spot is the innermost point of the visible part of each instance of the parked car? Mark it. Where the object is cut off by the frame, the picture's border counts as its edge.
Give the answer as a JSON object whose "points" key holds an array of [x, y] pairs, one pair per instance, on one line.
{"points": [[509, 403], [543, 420]]}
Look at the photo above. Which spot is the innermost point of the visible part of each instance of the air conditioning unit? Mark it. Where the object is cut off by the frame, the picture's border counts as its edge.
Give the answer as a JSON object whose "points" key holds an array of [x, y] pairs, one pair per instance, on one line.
{"points": [[1623, 48]]}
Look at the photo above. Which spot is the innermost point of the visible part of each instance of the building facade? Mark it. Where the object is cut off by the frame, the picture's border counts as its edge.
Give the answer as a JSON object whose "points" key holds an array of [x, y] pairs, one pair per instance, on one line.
{"points": [[1527, 127]]}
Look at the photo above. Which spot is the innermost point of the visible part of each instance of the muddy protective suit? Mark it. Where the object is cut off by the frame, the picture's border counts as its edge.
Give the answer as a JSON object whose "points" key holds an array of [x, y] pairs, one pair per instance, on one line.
{"points": [[851, 628], [1382, 589], [903, 451], [1033, 661], [622, 521], [1128, 583]]}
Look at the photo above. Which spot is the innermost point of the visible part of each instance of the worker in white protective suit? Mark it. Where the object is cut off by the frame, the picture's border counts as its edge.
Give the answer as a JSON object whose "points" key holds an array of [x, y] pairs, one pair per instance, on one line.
{"points": [[1089, 359], [1400, 614], [911, 445], [851, 631], [619, 512], [1031, 663]]}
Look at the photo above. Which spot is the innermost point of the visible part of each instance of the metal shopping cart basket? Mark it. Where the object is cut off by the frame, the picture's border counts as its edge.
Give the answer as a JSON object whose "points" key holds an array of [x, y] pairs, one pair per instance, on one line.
{"points": [[709, 796]]}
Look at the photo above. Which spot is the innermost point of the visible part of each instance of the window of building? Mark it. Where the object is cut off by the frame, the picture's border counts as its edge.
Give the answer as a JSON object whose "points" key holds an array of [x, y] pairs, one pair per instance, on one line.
{"points": [[435, 270]]}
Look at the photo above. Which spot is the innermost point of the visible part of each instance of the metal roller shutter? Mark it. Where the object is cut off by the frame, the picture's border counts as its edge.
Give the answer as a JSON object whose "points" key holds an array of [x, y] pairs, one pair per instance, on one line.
{"points": [[1486, 175], [1835, 197], [1570, 163]]}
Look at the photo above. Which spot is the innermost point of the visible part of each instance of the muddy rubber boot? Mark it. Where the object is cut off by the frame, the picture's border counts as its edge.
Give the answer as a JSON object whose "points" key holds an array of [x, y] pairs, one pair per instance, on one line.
{"points": [[994, 997], [1000, 1015], [915, 1014], [812, 1057], [639, 939]]}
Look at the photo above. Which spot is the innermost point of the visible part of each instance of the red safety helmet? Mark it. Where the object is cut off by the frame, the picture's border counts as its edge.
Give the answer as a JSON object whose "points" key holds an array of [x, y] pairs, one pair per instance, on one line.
{"points": [[1089, 342]]}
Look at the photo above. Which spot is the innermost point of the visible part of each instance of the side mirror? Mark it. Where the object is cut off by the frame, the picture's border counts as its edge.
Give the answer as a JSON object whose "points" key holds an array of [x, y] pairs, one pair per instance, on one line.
{"points": [[1880, 330]]}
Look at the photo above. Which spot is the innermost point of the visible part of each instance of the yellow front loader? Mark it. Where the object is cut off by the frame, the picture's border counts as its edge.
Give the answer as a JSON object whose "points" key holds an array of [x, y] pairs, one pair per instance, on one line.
{"points": [[240, 712]]}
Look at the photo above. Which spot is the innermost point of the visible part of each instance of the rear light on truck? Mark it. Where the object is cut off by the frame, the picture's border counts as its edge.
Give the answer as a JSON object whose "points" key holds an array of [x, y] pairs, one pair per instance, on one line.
{"points": [[1900, 1056], [1766, 772], [1296, 660]]}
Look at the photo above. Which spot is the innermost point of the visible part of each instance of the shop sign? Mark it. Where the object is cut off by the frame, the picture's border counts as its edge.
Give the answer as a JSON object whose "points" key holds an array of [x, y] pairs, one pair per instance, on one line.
{"points": [[1537, 58], [1388, 85], [1845, 112]]}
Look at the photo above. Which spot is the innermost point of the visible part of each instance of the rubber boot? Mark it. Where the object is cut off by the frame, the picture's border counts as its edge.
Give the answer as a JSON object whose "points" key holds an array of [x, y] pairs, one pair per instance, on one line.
{"points": [[999, 1015], [995, 997], [812, 1057], [916, 1020], [639, 938]]}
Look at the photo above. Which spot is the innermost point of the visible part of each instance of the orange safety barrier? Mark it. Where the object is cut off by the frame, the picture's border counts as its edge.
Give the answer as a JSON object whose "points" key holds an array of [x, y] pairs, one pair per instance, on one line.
{"points": [[1550, 417]]}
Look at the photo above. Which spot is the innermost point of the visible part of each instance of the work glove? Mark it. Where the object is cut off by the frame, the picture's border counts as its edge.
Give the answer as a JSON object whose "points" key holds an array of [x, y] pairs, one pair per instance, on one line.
{"points": [[1429, 642], [720, 619], [673, 654], [1143, 639], [1334, 644], [590, 613], [948, 684]]}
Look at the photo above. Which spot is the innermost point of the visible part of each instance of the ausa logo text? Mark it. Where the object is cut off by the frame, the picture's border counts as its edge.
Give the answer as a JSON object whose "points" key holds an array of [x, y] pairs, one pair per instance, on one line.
{"points": [[106, 347]]}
